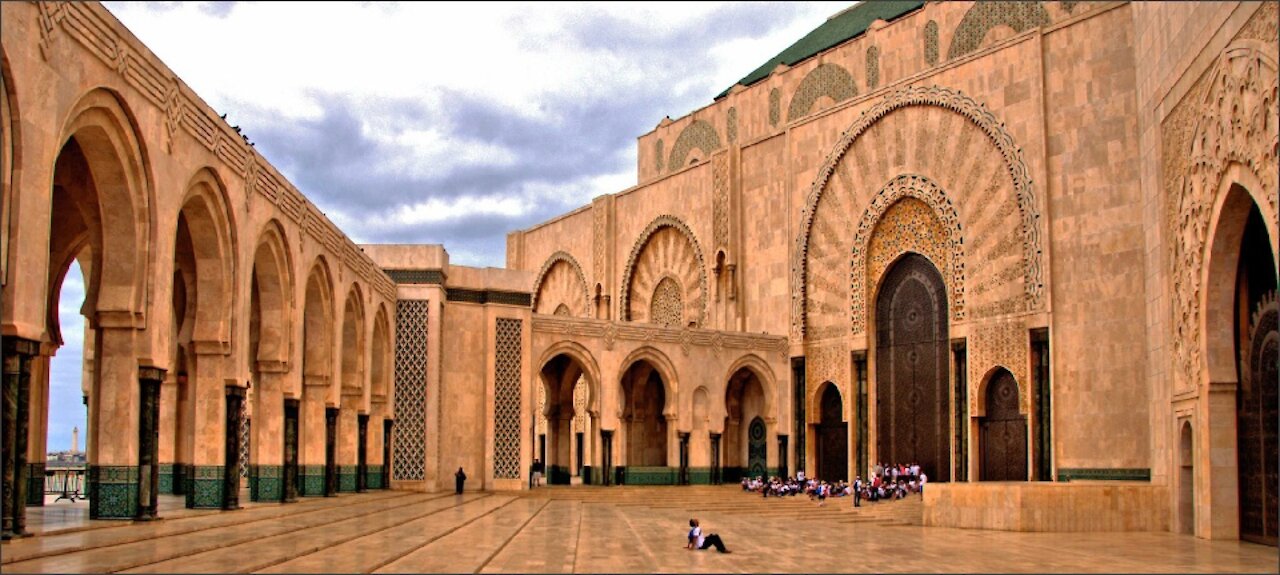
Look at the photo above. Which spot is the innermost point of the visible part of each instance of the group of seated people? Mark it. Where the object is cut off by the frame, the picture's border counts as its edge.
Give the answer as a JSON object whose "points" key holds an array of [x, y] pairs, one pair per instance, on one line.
{"points": [[886, 482]]}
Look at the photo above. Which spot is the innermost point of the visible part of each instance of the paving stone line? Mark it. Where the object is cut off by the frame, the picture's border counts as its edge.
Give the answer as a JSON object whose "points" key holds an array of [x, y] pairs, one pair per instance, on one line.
{"points": [[317, 537], [465, 545], [512, 536], [51, 545], [68, 561], [342, 563], [440, 536]]}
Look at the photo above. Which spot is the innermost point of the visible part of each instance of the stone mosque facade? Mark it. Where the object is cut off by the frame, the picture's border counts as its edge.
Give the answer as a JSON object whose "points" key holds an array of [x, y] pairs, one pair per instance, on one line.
{"points": [[1030, 246]]}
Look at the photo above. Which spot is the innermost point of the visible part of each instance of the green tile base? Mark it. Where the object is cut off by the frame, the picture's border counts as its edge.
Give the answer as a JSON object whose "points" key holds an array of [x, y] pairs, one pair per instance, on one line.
{"points": [[266, 483], [180, 473], [1091, 474], [204, 486], [346, 479], [35, 484], [311, 480], [166, 484], [700, 476], [112, 491], [373, 477], [652, 475]]}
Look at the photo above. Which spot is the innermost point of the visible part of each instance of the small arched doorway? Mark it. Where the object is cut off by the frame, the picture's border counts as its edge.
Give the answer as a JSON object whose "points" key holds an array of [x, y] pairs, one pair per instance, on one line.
{"points": [[744, 406], [564, 425], [1186, 481], [1002, 432], [833, 436]]}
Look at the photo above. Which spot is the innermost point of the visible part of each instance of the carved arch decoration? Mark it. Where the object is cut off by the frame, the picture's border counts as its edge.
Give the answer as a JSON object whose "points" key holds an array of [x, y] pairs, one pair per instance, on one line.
{"points": [[667, 247], [992, 186], [561, 282], [829, 80], [1235, 124], [983, 16], [10, 156], [699, 134], [272, 273], [911, 213], [208, 214]]}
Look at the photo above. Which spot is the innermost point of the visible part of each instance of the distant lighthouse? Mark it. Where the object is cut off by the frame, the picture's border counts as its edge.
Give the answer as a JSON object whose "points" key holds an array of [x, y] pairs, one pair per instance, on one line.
{"points": [[75, 439]]}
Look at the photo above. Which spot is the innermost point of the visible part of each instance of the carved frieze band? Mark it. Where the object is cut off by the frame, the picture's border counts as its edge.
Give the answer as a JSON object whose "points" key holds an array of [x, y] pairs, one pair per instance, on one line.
{"points": [[925, 190], [687, 338], [980, 117], [720, 200], [93, 27], [1230, 121]]}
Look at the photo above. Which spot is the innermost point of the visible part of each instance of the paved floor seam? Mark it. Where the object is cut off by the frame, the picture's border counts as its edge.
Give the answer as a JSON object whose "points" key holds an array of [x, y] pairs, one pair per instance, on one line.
{"points": [[512, 536], [440, 536]]}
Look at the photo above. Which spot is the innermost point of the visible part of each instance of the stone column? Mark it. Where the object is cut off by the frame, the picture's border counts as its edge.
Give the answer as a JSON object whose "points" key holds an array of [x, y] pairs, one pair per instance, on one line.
{"points": [[266, 452], [1222, 474], [347, 440], [289, 472], [331, 415], [673, 440], [149, 379], [388, 428], [362, 452], [16, 421], [168, 452], [375, 461], [311, 436], [114, 406], [207, 474], [235, 397], [38, 433]]}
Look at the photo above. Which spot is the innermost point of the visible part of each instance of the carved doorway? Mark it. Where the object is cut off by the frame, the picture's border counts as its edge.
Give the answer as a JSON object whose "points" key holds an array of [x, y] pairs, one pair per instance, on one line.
{"points": [[912, 400], [833, 437], [1257, 401], [1002, 435]]}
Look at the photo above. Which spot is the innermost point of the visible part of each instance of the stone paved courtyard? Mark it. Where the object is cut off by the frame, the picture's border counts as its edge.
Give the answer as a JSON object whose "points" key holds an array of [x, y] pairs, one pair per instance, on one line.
{"points": [[586, 530]]}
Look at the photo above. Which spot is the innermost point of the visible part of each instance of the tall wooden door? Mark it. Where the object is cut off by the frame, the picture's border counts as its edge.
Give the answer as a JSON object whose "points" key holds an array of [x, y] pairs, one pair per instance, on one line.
{"points": [[912, 399], [1003, 432]]}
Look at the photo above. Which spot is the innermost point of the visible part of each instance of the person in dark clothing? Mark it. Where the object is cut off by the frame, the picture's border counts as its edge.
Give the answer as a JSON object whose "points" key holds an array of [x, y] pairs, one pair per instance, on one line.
{"points": [[459, 478], [698, 541]]}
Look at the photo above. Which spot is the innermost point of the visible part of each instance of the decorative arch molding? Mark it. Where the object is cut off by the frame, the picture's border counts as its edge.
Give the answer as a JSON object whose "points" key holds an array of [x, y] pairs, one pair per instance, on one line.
{"points": [[830, 80], [666, 369], [207, 211], [983, 16], [1013, 165], [272, 267], [764, 374], [693, 276], [586, 362], [10, 157], [106, 131], [318, 347], [382, 365], [1234, 141], [947, 255], [353, 333], [813, 410], [567, 285], [699, 134], [979, 408]]}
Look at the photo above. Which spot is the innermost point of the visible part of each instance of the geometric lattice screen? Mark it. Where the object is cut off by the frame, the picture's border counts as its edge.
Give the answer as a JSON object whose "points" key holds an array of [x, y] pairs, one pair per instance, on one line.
{"points": [[411, 390], [506, 400]]}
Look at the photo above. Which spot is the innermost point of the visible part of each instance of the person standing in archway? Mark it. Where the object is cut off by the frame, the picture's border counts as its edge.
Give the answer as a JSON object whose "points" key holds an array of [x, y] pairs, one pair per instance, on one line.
{"points": [[458, 479]]}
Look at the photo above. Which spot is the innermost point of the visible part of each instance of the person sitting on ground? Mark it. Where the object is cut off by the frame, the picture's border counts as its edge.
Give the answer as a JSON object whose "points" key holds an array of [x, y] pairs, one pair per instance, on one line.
{"points": [[698, 541]]}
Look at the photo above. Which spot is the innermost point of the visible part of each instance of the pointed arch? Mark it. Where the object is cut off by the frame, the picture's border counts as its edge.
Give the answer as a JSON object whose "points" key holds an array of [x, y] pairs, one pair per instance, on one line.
{"points": [[353, 339], [764, 374], [675, 250], [561, 282], [272, 280], [206, 213], [317, 321], [585, 361], [381, 356], [698, 134], [666, 370], [830, 80]]}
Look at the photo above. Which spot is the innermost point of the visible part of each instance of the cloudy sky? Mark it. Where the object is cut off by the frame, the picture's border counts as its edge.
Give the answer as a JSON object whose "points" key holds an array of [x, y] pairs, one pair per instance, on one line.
{"points": [[454, 123]]}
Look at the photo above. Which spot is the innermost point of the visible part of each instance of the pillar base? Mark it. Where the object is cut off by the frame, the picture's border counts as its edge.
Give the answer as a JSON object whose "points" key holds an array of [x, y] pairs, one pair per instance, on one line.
{"points": [[311, 480], [167, 484], [35, 485], [204, 486], [373, 477], [346, 478], [266, 482], [113, 491]]}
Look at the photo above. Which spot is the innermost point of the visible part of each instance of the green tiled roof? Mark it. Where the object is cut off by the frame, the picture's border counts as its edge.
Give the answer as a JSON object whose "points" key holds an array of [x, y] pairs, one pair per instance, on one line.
{"points": [[837, 29]]}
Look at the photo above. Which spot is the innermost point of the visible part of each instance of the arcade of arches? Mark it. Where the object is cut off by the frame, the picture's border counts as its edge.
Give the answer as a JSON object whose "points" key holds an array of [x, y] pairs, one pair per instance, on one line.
{"points": [[1038, 264]]}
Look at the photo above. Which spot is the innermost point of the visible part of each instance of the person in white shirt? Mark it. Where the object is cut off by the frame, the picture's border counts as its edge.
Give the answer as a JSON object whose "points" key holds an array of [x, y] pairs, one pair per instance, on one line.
{"points": [[699, 541], [923, 479]]}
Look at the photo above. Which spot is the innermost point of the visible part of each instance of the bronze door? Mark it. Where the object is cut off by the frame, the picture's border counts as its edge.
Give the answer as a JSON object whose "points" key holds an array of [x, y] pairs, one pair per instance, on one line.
{"points": [[1003, 432], [1257, 416], [833, 442], [756, 450], [912, 400]]}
